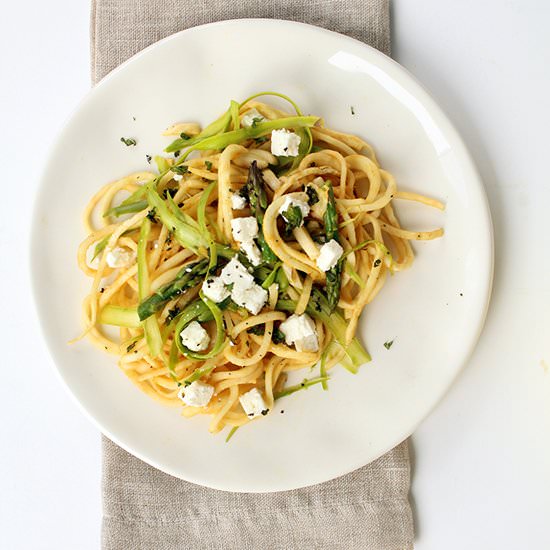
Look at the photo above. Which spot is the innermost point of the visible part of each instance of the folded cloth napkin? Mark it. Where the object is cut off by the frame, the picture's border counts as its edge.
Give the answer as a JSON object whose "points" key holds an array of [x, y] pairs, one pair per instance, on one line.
{"points": [[146, 509]]}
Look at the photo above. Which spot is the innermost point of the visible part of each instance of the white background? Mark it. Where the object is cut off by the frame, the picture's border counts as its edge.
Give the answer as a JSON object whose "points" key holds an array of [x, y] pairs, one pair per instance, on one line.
{"points": [[481, 474]]}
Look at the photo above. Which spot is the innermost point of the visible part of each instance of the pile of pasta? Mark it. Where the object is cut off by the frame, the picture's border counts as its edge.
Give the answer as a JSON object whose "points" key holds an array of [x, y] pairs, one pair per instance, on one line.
{"points": [[144, 216]]}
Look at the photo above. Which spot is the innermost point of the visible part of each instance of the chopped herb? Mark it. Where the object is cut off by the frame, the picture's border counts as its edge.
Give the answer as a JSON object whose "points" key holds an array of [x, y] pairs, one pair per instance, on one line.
{"points": [[377, 262], [293, 218], [208, 164], [264, 412], [169, 191], [151, 215], [131, 347], [258, 330], [260, 140], [312, 195], [256, 120], [180, 169], [148, 157], [352, 110], [172, 313], [128, 141], [177, 154], [278, 337], [183, 135], [389, 344]]}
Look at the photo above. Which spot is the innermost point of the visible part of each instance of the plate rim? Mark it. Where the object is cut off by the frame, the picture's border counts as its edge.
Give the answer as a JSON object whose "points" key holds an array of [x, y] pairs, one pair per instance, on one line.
{"points": [[441, 119]]}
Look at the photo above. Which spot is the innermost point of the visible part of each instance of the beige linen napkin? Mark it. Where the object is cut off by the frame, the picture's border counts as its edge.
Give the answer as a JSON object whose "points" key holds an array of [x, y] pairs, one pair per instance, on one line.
{"points": [[147, 509]]}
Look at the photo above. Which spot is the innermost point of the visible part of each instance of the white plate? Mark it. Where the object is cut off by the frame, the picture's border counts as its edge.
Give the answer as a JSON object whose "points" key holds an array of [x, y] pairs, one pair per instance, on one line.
{"points": [[433, 312]]}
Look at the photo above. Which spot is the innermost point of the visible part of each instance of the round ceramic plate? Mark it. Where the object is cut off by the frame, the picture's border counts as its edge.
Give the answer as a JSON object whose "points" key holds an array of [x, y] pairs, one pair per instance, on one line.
{"points": [[433, 312]]}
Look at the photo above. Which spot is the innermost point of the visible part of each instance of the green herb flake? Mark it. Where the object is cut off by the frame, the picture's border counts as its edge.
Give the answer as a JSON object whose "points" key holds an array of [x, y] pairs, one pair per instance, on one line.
{"points": [[278, 337], [151, 215], [208, 164], [389, 344], [258, 330], [180, 169], [169, 191], [312, 195], [148, 158], [131, 347], [172, 313], [260, 140], [183, 135], [293, 218], [128, 141]]}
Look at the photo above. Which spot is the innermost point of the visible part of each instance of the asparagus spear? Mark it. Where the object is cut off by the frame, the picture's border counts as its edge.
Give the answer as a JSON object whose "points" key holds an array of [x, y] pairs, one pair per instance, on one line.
{"points": [[257, 198], [319, 307], [334, 275], [188, 277]]}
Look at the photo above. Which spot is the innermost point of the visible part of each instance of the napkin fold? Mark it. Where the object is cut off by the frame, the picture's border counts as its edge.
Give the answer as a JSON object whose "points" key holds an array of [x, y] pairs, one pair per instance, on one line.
{"points": [[144, 508]]}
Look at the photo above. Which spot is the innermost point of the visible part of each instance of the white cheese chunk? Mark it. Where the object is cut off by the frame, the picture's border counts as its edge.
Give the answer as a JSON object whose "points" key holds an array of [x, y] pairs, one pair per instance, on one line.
{"points": [[329, 254], [252, 252], [290, 202], [237, 202], [244, 229], [197, 394], [177, 177], [251, 297], [253, 403], [194, 337], [251, 117], [234, 273], [120, 257], [284, 143], [300, 331], [214, 289]]}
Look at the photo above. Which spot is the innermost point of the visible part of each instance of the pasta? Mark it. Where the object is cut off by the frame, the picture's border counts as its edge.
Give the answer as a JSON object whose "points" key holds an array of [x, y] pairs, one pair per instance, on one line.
{"points": [[238, 262]]}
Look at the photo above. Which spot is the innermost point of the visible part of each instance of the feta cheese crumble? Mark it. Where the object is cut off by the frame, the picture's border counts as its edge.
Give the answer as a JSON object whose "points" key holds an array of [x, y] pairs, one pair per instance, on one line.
{"points": [[289, 202], [252, 297], [329, 254], [194, 337], [237, 202], [244, 229], [214, 289], [177, 177], [252, 252], [234, 273], [253, 403], [244, 292], [197, 394], [247, 119], [284, 143], [120, 257], [300, 331]]}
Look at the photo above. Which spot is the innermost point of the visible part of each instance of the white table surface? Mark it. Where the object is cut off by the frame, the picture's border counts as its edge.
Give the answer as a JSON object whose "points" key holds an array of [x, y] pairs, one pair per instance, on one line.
{"points": [[481, 476]]}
